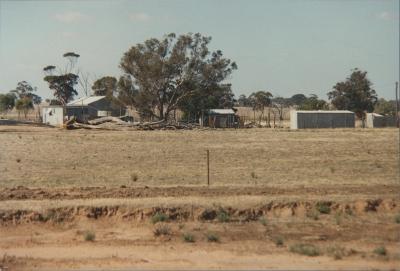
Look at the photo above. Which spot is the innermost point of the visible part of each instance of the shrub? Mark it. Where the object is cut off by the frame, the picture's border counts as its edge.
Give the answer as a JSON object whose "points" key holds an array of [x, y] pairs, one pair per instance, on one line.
{"points": [[338, 218], [337, 252], [313, 214], [212, 237], [162, 229], [253, 175], [223, 216], [188, 237], [278, 240], [89, 236], [397, 219], [263, 221], [159, 217], [380, 251], [134, 177], [305, 249], [323, 207]]}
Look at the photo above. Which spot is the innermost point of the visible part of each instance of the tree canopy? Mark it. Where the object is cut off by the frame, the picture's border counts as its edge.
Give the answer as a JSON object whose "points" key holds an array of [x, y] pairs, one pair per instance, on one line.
{"points": [[105, 86], [63, 86], [7, 102], [313, 103], [160, 73], [355, 94]]}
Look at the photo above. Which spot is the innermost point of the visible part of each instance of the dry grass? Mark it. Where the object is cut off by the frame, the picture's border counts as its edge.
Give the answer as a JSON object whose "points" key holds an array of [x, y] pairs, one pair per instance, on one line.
{"points": [[59, 158]]}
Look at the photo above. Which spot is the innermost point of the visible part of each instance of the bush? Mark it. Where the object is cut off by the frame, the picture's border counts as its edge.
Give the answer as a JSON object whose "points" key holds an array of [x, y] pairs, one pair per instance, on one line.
{"points": [[313, 214], [223, 216], [134, 177], [337, 252], [380, 251], [323, 207], [263, 221], [89, 236], [162, 229], [397, 219], [212, 237], [188, 237], [278, 240], [159, 217], [305, 249]]}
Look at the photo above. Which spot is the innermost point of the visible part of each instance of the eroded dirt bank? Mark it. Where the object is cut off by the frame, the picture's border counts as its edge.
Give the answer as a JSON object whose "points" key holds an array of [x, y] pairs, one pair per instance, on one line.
{"points": [[319, 234]]}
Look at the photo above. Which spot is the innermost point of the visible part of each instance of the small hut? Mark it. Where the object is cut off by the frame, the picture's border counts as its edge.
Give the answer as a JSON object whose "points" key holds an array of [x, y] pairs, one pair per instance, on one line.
{"points": [[374, 120], [220, 118]]}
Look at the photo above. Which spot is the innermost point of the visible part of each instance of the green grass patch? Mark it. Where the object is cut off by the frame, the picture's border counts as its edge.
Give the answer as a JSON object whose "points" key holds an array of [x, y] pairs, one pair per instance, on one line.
{"points": [[159, 217]]}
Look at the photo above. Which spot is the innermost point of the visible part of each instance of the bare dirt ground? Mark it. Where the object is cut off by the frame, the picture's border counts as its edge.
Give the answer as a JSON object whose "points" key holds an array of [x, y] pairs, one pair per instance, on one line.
{"points": [[325, 199]]}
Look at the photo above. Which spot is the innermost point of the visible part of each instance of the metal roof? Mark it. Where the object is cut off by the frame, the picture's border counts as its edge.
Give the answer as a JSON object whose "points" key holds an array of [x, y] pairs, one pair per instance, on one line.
{"points": [[324, 111], [85, 100], [222, 111]]}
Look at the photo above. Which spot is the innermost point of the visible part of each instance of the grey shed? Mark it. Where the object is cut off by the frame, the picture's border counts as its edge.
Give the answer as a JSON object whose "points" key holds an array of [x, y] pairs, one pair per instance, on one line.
{"points": [[322, 119]]}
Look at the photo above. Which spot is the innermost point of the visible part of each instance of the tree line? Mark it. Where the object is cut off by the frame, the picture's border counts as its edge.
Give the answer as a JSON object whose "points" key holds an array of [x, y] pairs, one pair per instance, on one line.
{"points": [[160, 76]]}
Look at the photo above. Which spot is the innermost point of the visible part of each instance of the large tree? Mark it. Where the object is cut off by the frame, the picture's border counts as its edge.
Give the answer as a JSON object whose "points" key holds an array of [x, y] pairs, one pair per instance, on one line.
{"points": [[355, 94], [160, 73], [26, 90], [63, 86]]}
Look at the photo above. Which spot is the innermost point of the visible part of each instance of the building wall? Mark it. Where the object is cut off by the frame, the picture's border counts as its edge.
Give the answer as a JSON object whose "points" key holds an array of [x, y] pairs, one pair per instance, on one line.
{"points": [[316, 119], [376, 121], [53, 116], [88, 112]]}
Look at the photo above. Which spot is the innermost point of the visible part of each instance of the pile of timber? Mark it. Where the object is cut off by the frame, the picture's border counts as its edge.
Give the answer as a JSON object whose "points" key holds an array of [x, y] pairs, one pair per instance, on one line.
{"points": [[115, 123]]}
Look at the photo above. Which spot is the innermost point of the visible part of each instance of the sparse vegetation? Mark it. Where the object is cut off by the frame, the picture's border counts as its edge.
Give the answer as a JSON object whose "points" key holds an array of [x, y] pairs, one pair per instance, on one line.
{"points": [[381, 251], [263, 220], [223, 216], [397, 218], [305, 249], [188, 237], [212, 237], [323, 207], [159, 217], [337, 252], [134, 177], [162, 229], [278, 240], [313, 214], [89, 236]]}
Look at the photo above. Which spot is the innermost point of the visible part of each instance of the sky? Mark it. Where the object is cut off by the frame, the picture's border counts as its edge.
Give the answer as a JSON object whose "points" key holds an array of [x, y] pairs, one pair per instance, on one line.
{"points": [[285, 47]]}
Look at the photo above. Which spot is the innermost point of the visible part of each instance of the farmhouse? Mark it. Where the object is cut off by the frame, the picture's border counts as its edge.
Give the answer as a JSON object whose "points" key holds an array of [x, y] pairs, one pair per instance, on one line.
{"points": [[322, 119], [220, 118], [86, 108], [376, 121]]}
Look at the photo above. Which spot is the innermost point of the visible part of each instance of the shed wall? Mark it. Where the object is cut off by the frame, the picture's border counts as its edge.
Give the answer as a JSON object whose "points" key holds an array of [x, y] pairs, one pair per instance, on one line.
{"points": [[374, 121], [53, 116], [301, 120]]}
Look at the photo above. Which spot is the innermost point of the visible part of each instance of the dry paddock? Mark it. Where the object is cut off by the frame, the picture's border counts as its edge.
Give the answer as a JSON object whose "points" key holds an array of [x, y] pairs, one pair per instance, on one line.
{"points": [[51, 157]]}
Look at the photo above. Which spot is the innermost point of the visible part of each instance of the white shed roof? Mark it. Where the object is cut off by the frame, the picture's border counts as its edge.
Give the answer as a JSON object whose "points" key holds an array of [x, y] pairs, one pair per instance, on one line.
{"points": [[85, 100], [324, 111], [222, 111]]}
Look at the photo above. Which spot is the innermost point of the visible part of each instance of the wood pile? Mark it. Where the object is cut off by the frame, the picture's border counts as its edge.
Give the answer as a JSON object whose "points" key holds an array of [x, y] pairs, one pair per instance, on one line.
{"points": [[115, 123]]}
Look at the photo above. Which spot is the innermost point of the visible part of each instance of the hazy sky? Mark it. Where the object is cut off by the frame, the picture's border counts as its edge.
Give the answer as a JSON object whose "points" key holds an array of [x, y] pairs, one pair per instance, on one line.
{"points": [[285, 47]]}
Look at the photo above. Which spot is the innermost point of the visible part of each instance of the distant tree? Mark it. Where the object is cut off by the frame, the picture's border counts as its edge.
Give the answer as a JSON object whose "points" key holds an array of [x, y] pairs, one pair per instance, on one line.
{"points": [[63, 86], [7, 102], [105, 86], [24, 105], [259, 101], [279, 103], [24, 89], [298, 99], [314, 103], [385, 107], [159, 74], [243, 101], [355, 94]]}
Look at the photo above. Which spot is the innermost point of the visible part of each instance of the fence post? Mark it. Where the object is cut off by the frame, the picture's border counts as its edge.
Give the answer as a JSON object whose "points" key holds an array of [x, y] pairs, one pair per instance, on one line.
{"points": [[208, 168]]}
